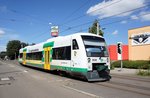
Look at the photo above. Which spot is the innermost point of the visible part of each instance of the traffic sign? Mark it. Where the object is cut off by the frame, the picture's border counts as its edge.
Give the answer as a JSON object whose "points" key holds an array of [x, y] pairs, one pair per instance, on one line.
{"points": [[54, 31]]}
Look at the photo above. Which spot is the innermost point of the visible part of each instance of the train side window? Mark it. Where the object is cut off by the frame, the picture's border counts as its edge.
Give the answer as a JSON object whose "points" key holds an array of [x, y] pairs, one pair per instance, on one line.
{"points": [[62, 53], [34, 56], [21, 55], [75, 44]]}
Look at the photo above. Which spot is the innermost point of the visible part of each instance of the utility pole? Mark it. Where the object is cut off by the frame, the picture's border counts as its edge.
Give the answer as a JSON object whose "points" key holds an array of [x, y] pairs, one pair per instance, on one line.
{"points": [[97, 28]]}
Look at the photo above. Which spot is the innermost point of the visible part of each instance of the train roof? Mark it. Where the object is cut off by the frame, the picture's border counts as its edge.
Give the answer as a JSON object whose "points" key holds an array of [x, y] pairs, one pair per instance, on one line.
{"points": [[76, 34], [59, 38]]}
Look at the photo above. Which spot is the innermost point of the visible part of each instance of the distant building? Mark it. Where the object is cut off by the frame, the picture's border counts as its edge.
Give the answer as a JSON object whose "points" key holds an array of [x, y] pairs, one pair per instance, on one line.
{"points": [[114, 54], [139, 43]]}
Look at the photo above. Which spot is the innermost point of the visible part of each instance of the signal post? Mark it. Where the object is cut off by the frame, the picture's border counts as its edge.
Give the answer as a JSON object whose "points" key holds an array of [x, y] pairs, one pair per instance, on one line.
{"points": [[119, 50]]}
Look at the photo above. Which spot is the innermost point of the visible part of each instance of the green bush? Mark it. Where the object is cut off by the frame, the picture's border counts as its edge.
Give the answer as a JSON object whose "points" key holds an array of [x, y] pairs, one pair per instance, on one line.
{"points": [[144, 72], [132, 64]]}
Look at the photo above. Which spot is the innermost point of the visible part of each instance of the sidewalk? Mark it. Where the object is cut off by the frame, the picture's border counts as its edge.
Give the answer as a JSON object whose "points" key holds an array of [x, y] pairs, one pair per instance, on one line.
{"points": [[124, 71]]}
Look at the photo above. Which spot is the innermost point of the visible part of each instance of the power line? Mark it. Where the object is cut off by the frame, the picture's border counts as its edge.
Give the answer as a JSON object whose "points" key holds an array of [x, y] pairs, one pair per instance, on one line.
{"points": [[14, 11], [24, 14], [38, 20], [118, 21], [73, 12], [89, 12], [125, 19], [95, 11], [106, 17], [70, 28], [78, 9]]}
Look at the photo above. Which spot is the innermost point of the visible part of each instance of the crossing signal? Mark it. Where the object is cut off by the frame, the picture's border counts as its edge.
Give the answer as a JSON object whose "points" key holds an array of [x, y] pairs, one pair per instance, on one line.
{"points": [[119, 47]]}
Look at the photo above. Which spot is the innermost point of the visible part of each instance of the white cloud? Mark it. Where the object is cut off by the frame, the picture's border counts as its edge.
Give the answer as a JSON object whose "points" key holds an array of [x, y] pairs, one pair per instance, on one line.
{"points": [[2, 48], [114, 7], [123, 22], [2, 32], [115, 32], [145, 16], [134, 17], [8, 34]]}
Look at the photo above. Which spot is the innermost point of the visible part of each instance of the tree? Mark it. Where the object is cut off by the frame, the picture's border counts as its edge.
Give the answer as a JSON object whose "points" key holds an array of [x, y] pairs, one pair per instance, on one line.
{"points": [[93, 29], [24, 44], [32, 44], [13, 48]]}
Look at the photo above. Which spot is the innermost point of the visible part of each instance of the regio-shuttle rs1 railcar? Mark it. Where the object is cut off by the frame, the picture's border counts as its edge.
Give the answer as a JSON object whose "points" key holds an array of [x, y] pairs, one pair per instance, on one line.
{"points": [[82, 55]]}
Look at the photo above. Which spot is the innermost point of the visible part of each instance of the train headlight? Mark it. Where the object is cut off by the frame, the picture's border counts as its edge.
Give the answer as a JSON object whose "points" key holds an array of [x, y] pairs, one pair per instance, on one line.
{"points": [[89, 60]]}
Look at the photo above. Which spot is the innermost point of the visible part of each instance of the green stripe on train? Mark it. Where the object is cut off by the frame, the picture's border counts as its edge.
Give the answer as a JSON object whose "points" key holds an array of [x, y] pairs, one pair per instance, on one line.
{"points": [[37, 65], [50, 44], [64, 68], [43, 56], [73, 69], [25, 49]]}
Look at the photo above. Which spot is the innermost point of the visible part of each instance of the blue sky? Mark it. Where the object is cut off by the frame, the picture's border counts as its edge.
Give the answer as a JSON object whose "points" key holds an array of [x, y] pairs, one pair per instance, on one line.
{"points": [[29, 20]]}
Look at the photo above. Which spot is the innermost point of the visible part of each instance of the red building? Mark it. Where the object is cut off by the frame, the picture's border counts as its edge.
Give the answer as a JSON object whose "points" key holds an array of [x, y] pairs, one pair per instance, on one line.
{"points": [[113, 52]]}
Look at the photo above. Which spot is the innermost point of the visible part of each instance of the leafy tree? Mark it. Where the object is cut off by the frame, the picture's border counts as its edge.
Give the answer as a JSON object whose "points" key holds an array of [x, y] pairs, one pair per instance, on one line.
{"points": [[93, 29], [13, 48], [32, 44], [24, 44]]}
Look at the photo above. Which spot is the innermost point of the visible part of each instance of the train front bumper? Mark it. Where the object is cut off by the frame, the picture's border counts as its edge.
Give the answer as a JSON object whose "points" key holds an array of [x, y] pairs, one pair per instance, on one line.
{"points": [[98, 76]]}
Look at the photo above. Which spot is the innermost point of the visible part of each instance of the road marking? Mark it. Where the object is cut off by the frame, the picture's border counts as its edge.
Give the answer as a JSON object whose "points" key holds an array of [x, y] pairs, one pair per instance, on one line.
{"points": [[83, 92], [5, 79], [25, 71], [59, 80]]}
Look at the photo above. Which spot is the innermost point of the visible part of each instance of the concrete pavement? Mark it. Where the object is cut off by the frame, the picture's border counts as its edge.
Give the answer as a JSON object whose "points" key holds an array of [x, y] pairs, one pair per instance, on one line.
{"points": [[124, 71], [17, 81]]}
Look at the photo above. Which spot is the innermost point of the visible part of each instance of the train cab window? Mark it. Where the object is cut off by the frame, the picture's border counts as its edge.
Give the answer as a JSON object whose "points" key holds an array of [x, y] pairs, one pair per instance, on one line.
{"points": [[75, 44]]}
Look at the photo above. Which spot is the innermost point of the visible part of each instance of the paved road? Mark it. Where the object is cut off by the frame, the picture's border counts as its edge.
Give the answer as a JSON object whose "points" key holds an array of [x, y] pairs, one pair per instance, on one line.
{"points": [[17, 81]]}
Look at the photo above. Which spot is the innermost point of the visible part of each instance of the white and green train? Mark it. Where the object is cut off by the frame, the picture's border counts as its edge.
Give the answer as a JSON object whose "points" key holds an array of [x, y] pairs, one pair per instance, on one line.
{"points": [[81, 54]]}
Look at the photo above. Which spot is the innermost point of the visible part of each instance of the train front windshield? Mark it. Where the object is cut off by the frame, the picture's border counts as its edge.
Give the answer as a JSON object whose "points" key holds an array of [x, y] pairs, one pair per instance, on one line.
{"points": [[95, 46]]}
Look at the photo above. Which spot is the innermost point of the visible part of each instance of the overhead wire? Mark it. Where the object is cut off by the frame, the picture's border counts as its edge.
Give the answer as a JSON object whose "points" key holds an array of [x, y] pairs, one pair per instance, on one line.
{"points": [[24, 14], [88, 13], [117, 21], [105, 18], [80, 7], [70, 28], [76, 10], [76, 26], [28, 15]]}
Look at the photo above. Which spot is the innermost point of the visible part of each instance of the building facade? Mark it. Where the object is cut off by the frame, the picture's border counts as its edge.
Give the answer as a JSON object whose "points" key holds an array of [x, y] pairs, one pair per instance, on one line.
{"points": [[139, 43], [113, 53]]}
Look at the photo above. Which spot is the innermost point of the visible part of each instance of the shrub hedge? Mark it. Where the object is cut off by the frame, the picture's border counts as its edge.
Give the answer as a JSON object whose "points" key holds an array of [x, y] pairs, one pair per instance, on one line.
{"points": [[132, 64]]}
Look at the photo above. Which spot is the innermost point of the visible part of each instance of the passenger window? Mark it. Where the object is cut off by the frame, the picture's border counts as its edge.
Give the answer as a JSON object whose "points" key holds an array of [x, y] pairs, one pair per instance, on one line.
{"points": [[75, 44], [62, 53]]}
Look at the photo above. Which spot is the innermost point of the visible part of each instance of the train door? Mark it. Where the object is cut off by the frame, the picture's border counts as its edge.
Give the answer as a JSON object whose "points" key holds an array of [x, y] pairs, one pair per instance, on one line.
{"points": [[24, 57], [47, 58], [75, 53]]}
